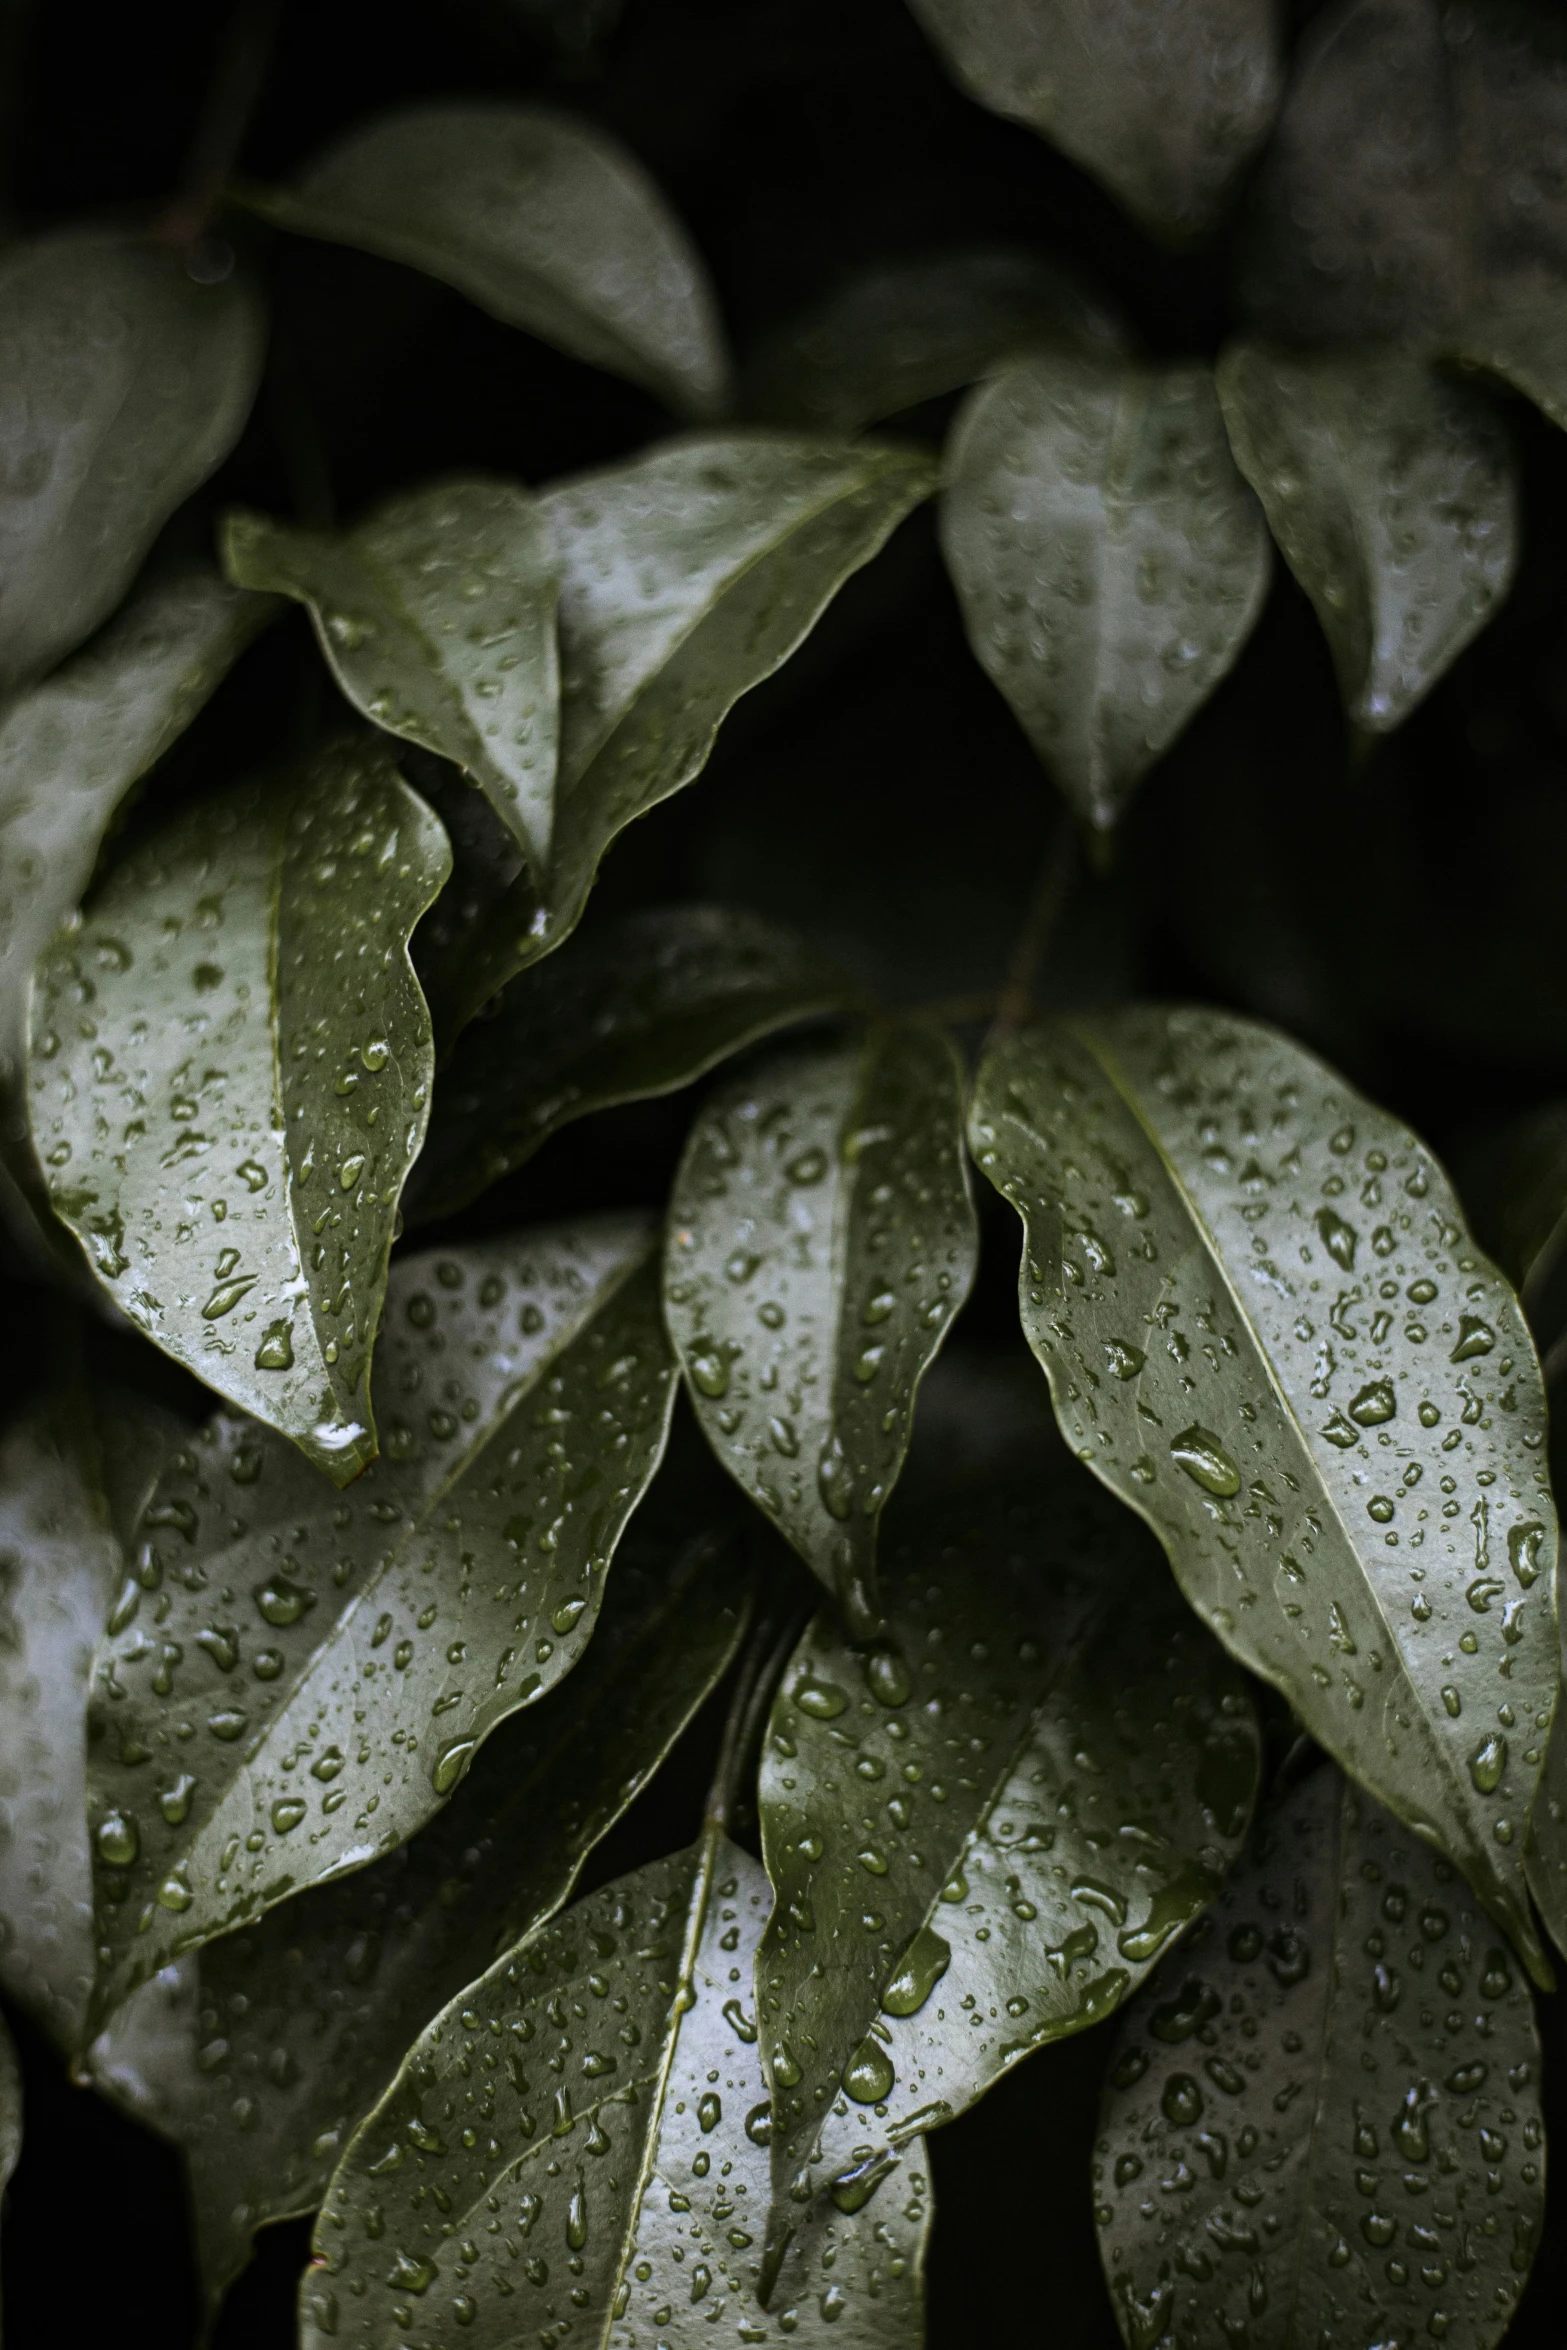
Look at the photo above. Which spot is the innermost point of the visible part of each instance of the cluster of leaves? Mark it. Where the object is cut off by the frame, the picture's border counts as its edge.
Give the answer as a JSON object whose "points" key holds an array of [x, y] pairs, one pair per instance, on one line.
{"points": [[316, 1711]]}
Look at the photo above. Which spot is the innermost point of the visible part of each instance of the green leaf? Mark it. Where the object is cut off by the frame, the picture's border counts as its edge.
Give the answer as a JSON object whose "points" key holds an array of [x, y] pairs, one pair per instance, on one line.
{"points": [[544, 221], [624, 2153], [1415, 166], [1522, 338], [1546, 1859], [1392, 496], [305, 2017], [437, 617], [642, 1006], [295, 1677], [687, 576], [1164, 105], [1340, 2036], [982, 1833], [1109, 558], [73, 1477], [1266, 1328], [230, 1076], [821, 1239], [892, 337], [129, 383]]}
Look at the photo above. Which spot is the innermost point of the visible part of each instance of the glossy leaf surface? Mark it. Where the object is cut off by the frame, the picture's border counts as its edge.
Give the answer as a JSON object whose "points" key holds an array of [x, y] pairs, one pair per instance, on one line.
{"points": [[984, 1831], [1164, 105], [437, 617], [540, 219], [912, 330], [1414, 168], [73, 1478], [1109, 558], [1266, 1328], [230, 1075], [128, 383], [639, 1007], [687, 576], [1322, 2121], [821, 1239], [305, 2017], [295, 1678], [1391, 494], [607, 2073]]}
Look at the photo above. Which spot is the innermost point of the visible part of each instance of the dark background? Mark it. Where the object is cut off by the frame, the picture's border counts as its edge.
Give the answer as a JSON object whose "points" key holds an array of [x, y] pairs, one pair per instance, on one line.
{"points": [[1400, 912]]}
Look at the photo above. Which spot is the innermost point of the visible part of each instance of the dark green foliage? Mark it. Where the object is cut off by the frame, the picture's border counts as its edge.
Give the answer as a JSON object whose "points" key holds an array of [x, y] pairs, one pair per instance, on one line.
{"points": [[633, 638]]}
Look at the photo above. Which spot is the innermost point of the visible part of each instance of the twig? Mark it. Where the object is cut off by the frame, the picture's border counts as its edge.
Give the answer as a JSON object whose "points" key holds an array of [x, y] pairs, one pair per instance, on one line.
{"points": [[1033, 943], [225, 117]]}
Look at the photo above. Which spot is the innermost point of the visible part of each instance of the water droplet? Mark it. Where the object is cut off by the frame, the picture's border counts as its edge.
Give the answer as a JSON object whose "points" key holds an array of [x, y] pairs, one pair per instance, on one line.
{"points": [[786, 2066], [709, 2112], [852, 2189], [566, 1614], [287, 1813], [835, 1481], [1523, 1551], [227, 1295], [1374, 1404], [174, 1802], [349, 1172], [886, 1677], [807, 1166], [577, 2218], [451, 1763], [276, 1351], [118, 1840], [1474, 1338], [411, 2276], [1182, 2101], [868, 2076], [709, 1370], [1487, 1763], [822, 1700], [1125, 1361], [1338, 1238], [1206, 1462], [175, 1894], [923, 1961], [282, 1602]]}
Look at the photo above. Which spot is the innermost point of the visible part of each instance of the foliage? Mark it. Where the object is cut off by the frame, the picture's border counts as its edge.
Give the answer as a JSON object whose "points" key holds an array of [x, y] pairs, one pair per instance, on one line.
{"points": [[541, 853]]}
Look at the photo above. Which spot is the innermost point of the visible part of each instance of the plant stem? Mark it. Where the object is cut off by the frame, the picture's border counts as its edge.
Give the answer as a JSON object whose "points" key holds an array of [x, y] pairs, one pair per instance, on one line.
{"points": [[1033, 943], [225, 117], [766, 1652]]}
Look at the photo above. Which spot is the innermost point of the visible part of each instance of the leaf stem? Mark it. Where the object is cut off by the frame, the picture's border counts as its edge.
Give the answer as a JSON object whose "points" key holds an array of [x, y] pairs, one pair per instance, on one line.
{"points": [[1051, 891], [232, 93], [766, 1652]]}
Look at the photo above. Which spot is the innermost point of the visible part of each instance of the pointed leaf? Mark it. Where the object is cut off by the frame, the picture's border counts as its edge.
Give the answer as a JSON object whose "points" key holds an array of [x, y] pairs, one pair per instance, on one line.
{"points": [[305, 2016], [641, 1007], [73, 1478], [1164, 104], [821, 1239], [911, 330], [317, 1669], [437, 617], [127, 385], [1329, 2100], [1522, 339], [1108, 556], [230, 1076], [625, 2151], [1416, 164], [945, 1820], [1391, 493], [687, 576], [1265, 1327], [543, 221]]}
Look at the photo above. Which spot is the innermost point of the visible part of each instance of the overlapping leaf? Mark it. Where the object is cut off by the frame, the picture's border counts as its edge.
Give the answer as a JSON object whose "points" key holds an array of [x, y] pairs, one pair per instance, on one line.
{"points": [[687, 576], [438, 619], [983, 1832], [911, 330], [541, 220], [1266, 1328], [290, 2030], [127, 384], [580, 2139], [640, 1007], [1164, 104], [1322, 2121], [294, 1678], [73, 1477], [1109, 558], [1391, 494], [1416, 165], [821, 1239], [230, 1076]]}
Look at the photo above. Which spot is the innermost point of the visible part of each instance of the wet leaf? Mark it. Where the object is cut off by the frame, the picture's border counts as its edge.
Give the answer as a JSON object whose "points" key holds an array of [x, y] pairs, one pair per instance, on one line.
{"points": [[982, 1832], [544, 221], [639, 1007], [687, 576], [230, 1076], [297, 1677], [1163, 105], [1547, 1853], [599, 2094], [1415, 165], [73, 1478], [821, 1239], [1328, 2101], [437, 617], [128, 383], [909, 331], [1266, 1328], [1523, 340], [1391, 493], [305, 2017], [1108, 556]]}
